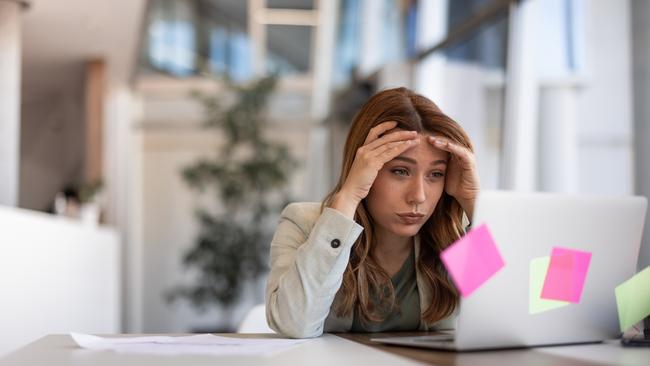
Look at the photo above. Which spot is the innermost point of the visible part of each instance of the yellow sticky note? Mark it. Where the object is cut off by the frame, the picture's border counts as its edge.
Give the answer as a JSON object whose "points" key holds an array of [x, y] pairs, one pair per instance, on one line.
{"points": [[633, 299], [538, 269]]}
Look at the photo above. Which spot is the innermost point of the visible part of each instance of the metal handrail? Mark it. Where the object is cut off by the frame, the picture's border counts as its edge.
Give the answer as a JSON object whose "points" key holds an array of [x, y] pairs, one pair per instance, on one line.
{"points": [[471, 24]]}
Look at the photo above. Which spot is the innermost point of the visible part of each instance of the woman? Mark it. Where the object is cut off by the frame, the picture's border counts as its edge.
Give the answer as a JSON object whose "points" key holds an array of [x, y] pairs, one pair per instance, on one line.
{"points": [[367, 258]]}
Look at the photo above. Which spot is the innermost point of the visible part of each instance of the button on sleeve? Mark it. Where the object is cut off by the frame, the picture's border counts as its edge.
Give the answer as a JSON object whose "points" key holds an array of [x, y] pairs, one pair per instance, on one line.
{"points": [[335, 243]]}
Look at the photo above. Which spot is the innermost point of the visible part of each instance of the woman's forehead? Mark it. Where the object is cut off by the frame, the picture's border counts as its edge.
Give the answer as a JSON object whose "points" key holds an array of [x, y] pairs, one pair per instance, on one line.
{"points": [[424, 152]]}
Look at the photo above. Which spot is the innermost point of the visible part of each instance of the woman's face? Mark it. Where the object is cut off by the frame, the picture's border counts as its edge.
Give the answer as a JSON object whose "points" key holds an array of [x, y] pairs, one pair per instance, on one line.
{"points": [[407, 189]]}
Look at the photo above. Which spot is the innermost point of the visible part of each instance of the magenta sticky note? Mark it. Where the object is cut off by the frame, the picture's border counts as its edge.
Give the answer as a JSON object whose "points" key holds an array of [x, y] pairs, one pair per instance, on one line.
{"points": [[566, 275], [472, 260]]}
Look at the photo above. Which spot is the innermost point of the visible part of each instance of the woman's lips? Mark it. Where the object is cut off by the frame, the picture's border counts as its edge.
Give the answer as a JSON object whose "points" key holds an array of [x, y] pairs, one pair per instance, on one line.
{"points": [[411, 218]]}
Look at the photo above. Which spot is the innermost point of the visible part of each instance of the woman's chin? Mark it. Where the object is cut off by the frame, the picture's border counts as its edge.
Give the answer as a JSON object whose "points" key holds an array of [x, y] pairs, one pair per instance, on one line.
{"points": [[406, 230]]}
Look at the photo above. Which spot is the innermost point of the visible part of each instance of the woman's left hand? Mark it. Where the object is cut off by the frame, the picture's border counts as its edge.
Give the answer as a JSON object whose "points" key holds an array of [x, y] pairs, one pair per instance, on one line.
{"points": [[461, 180]]}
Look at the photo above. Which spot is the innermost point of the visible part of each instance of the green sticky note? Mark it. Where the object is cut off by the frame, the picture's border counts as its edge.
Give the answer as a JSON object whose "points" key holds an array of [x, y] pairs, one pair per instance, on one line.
{"points": [[538, 269], [633, 299]]}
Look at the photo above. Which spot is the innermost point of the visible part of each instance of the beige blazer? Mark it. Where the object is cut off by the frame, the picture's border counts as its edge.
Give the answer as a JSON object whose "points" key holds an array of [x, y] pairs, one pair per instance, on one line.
{"points": [[309, 253]]}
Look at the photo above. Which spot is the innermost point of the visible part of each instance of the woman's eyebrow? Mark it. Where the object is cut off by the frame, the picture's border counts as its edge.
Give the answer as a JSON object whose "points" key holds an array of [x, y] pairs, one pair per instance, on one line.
{"points": [[405, 159], [439, 162], [412, 161]]}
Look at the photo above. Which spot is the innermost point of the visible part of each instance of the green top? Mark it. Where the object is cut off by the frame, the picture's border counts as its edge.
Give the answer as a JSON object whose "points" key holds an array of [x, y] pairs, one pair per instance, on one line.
{"points": [[406, 317]]}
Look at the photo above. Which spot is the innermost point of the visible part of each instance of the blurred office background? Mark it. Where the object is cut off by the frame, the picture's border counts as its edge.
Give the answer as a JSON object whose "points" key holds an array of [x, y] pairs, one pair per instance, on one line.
{"points": [[554, 93]]}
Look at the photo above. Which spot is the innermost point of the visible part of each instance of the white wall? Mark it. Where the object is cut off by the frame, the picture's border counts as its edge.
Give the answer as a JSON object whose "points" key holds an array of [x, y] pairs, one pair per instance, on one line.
{"points": [[56, 276], [10, 52], [604, 106], [640, 12], [468, 84], [119, 195]]}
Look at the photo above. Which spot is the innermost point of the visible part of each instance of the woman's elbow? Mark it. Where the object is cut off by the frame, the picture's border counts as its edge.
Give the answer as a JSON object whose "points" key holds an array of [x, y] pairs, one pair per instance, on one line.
{"points": [[293, 329], [301, 333]]}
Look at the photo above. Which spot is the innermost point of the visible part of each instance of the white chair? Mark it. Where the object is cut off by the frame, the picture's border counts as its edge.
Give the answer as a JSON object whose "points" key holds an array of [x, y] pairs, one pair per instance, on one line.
{"points": [[255, 321]]}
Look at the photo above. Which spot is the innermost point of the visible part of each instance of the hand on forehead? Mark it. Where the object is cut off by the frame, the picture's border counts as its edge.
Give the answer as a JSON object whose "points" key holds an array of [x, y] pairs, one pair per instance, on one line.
{"points": [[425, 148]]}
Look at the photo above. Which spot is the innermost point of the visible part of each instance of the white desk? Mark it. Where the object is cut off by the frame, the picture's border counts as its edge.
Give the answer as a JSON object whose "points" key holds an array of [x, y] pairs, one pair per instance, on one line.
{"points": [[606, 353], [328, 350], [334, 350]]}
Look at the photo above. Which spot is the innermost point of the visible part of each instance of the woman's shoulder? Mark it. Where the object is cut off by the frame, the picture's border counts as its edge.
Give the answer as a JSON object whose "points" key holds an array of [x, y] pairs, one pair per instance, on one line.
{"points": [[301, 216]]}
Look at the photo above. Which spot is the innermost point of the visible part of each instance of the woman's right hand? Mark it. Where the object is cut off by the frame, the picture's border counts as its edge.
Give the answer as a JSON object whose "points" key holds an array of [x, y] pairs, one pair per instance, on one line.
{"points": [[369, 159]]}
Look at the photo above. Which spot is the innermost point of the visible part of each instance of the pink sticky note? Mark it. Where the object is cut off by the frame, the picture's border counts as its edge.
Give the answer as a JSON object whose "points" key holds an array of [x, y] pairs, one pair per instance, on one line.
{"points": [[566, 275], [472, 260]]}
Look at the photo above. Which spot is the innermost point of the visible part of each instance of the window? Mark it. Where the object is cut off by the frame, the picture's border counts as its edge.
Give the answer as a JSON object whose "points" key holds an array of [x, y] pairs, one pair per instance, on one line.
{"points": [[288, 49], [186, 38], [171, 37]]}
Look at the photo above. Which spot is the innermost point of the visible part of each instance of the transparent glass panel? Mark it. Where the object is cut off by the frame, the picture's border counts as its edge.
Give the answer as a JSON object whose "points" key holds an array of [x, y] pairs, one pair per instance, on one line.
{"points": [[487, 47], [348, 42], [290, 4], [461, 10], [228, 44], [288, 49], [202, 36], [171, 37], [399, 29], [398, 34]]}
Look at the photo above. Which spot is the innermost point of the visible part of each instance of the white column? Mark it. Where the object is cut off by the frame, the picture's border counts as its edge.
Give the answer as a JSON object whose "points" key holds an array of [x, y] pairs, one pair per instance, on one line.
{"points": [[519, 159], [9, 101], [371, 56], [257, 32], [323, 56], [122, 197], [641, 88], [558, 147], [430, 73]]}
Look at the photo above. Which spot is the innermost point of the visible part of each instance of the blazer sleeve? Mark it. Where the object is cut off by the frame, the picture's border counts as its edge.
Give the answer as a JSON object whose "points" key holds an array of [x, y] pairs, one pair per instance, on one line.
{"points": [[307, 269], [466, 222]]}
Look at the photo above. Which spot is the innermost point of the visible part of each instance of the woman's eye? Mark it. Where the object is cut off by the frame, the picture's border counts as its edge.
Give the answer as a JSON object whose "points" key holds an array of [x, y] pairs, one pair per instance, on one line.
{"points": [[438, 174], [399, 171]]}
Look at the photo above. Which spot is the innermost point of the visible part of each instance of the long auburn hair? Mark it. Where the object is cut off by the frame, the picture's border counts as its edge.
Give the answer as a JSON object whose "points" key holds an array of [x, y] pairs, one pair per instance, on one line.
{"points": [[363, 275]]}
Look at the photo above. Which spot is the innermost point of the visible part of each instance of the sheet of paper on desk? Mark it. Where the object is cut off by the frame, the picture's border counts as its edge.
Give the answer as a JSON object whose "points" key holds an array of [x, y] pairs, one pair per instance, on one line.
{"points": [[200, 344]]}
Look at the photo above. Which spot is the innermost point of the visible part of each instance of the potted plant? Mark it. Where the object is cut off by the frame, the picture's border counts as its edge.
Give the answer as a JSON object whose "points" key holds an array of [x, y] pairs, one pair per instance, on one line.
{"points": [[249, 173]]}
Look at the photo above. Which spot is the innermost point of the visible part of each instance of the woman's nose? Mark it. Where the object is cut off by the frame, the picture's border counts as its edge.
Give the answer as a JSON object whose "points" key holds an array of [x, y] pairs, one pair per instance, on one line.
{"points": [[416, 192]]}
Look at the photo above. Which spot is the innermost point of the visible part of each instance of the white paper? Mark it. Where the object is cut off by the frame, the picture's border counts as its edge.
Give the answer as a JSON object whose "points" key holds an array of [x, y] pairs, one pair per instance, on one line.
{"points": [[200, 344]]}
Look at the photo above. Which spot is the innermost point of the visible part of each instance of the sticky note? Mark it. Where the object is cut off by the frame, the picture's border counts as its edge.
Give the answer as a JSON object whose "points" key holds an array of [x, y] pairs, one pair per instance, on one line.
{"points": [[566, 275], [472, 260], [538, 268], [633, 299]]}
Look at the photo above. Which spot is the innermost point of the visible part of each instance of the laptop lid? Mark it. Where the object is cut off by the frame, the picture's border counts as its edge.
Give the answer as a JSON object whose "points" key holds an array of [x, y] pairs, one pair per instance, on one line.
{"points": [[526, 227]]}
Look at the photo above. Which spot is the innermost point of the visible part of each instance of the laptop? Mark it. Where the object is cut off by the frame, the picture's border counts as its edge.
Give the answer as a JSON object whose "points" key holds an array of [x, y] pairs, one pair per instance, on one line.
{"points": [[526, 226]]}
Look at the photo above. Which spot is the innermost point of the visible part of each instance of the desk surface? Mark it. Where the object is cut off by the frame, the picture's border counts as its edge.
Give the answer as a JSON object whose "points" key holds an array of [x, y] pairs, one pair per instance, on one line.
{"points": [[606, 353], [334, 350]]}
